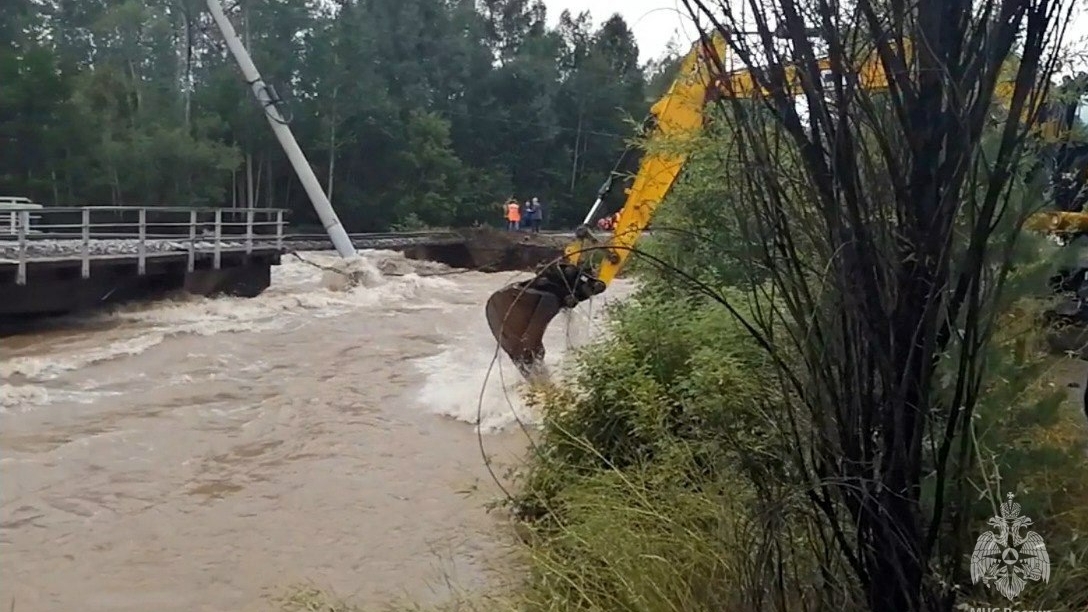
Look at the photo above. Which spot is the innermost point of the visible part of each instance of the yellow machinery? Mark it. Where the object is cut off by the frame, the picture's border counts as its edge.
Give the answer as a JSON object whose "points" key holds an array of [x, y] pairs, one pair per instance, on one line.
{"points": [[519, 314]]}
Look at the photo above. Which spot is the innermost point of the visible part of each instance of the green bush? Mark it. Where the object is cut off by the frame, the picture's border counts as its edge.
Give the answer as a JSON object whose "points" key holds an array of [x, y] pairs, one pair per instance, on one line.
{"points": [[634, 498], [660, 481], [674, 380]]}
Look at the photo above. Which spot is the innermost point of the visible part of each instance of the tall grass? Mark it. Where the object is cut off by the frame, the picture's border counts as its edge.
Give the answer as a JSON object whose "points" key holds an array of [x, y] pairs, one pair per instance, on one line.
{"points": [[660, 473]]}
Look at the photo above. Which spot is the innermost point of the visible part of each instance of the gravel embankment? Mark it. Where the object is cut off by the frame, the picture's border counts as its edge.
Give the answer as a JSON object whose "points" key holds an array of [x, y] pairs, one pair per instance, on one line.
{"points": [[41, 249], [64, 248]]}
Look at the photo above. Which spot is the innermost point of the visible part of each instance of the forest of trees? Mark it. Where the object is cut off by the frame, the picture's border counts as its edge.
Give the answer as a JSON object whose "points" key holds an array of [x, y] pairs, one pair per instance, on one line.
{"points": [[412, 112]]}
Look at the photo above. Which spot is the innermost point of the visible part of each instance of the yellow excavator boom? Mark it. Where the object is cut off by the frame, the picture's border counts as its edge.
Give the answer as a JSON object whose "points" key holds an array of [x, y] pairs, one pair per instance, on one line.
{"points": [[678, 113], [519, 314]]}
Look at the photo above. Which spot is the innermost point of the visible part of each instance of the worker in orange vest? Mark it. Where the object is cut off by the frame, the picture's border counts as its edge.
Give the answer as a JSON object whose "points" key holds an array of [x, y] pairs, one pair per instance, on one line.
{"points": [[513, 215]]}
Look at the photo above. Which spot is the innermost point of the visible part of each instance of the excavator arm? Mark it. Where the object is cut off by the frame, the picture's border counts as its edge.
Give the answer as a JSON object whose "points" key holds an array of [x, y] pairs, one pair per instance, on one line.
{"points": [[519, 313]]}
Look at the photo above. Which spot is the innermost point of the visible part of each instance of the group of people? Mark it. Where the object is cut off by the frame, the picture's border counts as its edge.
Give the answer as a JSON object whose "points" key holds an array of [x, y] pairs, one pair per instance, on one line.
{"points": [[528, 215]]}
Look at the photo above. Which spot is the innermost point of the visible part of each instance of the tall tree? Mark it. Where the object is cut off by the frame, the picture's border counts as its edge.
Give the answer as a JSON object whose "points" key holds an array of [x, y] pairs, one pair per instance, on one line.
{"points": [[886, 248], [411, 111]]}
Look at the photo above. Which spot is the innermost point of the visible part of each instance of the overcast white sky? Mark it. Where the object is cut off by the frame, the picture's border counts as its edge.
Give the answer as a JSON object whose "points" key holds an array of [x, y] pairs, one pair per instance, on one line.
{"points": [[655, 22]]}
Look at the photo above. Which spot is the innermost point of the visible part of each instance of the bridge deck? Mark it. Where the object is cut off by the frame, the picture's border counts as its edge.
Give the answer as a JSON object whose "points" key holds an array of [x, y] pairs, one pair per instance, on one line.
{"points": [[92, 237]]}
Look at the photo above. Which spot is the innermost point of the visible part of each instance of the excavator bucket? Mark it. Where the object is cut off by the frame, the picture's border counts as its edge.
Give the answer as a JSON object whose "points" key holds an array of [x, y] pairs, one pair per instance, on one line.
{"points": [[518, 315]]}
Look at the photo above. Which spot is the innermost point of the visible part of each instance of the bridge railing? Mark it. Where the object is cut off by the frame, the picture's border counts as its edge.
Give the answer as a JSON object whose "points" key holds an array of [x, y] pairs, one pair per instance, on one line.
{"points": [[90, 232]]}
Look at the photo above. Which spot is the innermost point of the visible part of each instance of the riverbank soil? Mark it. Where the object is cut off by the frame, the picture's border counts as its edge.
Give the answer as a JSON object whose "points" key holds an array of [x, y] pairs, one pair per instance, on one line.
{"points": [[494, 250]]}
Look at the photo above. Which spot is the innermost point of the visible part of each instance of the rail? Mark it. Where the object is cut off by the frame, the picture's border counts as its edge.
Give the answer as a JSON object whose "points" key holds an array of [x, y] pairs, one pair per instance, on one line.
{"points": [[92, 232], [430, 234], [368, 236]]}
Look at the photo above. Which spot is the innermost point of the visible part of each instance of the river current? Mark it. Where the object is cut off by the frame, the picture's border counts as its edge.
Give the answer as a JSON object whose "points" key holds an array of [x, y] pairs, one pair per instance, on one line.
{"points": [[205, 454]]}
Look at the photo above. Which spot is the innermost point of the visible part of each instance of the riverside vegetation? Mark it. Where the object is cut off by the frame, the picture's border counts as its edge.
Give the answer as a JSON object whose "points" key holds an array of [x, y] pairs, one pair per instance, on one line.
{"points": [[833, 374], [835, 370]]}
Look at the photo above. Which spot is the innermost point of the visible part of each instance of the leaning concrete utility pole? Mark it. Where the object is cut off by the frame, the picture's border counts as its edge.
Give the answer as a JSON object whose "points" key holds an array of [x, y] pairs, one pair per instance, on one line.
{"points": [[265, 96]]}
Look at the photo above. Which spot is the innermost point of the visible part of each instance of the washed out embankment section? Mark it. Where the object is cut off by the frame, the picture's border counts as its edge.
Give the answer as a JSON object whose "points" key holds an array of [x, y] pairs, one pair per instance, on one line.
{"points": [[482, 249]]}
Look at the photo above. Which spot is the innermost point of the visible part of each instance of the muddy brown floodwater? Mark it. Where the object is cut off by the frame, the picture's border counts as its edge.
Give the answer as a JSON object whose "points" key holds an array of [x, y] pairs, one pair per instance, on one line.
{"points": [[200, 454]]}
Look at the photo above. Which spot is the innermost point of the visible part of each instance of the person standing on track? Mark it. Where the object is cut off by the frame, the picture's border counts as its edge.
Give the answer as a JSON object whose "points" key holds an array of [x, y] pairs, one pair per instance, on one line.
{"points": [[513, 215], [536, 217]]}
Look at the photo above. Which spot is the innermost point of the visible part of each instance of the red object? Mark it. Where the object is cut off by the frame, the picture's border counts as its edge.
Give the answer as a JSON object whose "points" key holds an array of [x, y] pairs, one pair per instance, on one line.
{"points": [[608, 223]]}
